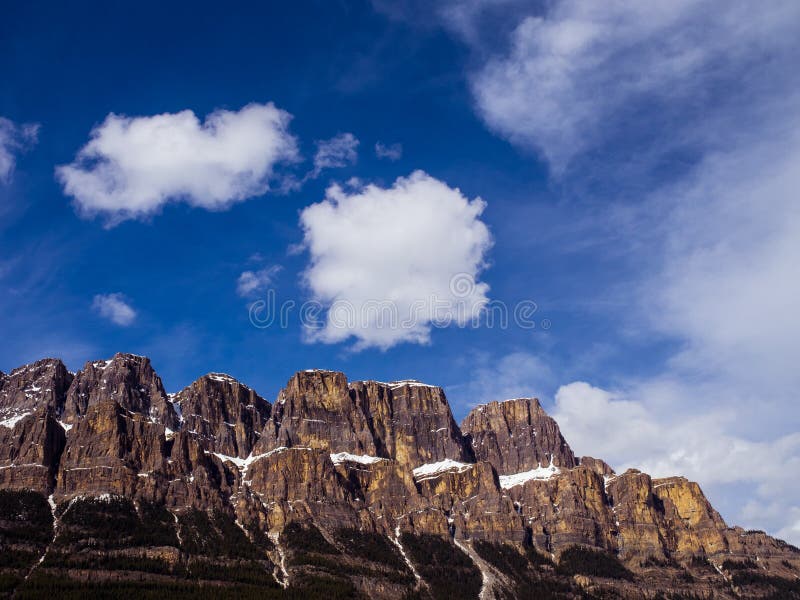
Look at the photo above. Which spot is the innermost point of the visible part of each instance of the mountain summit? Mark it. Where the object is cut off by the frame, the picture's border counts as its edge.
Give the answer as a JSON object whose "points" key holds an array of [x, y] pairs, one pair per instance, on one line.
{"points": [[338, 489]]}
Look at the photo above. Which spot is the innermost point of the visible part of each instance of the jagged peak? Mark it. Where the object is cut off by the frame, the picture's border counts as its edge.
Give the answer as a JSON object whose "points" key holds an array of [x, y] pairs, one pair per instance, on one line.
{"points": [[396, 469], [411, 383], [399, 383], [177, 397], [127, 378], [28, 387], [317, 375], [597, 465], [221, 378], [131, 355], [119, 357], [500, 404], [42, 362], [120, 360], [496, 430], [217, 378]]}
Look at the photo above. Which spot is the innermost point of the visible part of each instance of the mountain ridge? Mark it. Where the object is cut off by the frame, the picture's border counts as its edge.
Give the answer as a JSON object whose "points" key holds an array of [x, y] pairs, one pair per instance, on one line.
{"points": [[334, 466]]}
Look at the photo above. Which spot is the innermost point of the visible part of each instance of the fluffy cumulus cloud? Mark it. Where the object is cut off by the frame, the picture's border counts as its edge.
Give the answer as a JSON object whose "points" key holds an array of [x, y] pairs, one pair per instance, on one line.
{"points": [[132, 166], [389, 151], [13, 140], [389, 263], [335, 153], [581, 69], [253, 282], [115, 308]]}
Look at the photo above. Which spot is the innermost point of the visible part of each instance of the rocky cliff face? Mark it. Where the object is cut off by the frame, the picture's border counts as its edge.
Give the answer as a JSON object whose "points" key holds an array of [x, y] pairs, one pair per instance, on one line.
{"points": [[411, 421], [30, 450], [32, 387], [516, 435], [406, 421], [340, 488], [127, 379], [226, 415]]}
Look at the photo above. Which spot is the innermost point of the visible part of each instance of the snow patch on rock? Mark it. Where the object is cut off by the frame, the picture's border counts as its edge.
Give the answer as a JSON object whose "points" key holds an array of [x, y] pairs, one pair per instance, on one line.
{"points": [[12, 421], [364, 459], [539, 473], [431, 470]]}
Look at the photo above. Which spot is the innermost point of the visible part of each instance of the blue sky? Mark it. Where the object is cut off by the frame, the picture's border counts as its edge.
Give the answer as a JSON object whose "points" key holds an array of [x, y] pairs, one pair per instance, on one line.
{"points": [[630, 169]]}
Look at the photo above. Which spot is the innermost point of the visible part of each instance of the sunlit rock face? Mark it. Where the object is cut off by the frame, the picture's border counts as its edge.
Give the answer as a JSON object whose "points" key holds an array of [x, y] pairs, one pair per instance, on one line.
{"points": [[407, 421]]}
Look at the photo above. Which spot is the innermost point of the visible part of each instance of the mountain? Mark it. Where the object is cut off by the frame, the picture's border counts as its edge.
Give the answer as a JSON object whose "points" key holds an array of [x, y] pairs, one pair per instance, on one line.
{"points": [[338, 489]]}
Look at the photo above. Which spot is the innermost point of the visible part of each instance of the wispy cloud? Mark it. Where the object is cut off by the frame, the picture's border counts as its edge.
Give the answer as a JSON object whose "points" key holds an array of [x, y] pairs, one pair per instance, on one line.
{"points": [[579, 75], [514, 375], [695, 103], [620, 427], [115, 308], [390, 151], [13, 140], [335, 153], [252, 282]]}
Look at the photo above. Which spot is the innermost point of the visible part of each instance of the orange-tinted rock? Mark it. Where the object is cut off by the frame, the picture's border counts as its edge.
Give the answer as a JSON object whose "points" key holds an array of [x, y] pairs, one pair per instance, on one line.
{"points": [[411, 422], [597, 465], [405, 421]]}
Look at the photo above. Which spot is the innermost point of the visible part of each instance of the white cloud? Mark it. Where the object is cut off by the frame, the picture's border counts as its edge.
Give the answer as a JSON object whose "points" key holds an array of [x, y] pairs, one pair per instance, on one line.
{"points": [[722, 283], [250, 282], [592, 418], [389, 151], [14, 139], [383, 260], [115, 308], [132, 166], [335, 153], [582, 70], [628, 432], [709, 89], [727, 283], [791, 531]]}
